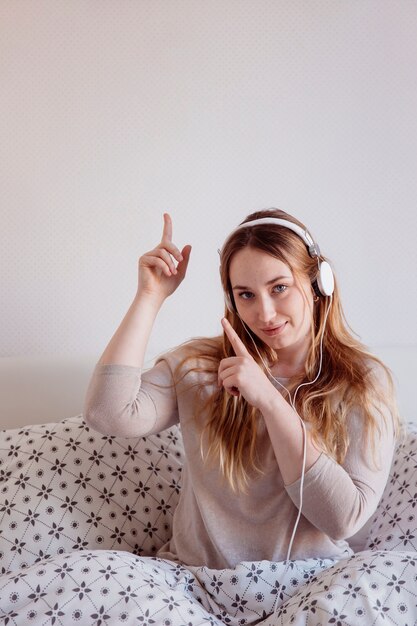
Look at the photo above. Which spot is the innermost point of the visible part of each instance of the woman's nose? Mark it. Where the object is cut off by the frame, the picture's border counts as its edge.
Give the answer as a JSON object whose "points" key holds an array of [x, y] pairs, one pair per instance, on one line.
{"points": [[266, 311]]}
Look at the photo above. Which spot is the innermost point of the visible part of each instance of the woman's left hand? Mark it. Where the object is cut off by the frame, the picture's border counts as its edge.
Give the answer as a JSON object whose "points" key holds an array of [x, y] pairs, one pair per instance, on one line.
{"points": [[241, 374]]}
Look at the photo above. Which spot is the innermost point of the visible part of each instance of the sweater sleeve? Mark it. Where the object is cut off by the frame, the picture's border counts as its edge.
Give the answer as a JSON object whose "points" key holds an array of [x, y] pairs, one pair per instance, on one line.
{"points": [[121, 401], [339, 498]]}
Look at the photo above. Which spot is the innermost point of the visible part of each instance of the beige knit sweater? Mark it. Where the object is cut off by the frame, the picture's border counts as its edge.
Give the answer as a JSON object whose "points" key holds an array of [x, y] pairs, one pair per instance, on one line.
{"points": [[212, 525]]}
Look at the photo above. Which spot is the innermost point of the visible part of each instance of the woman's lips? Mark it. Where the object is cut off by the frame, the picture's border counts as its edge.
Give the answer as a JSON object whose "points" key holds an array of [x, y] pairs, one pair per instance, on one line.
{"points": [[275, 330]]}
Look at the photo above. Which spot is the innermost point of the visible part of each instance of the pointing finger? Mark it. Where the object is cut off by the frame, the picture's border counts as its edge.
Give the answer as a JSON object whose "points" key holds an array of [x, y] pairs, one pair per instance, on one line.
{"points": [[237, 344], [167, 231]]}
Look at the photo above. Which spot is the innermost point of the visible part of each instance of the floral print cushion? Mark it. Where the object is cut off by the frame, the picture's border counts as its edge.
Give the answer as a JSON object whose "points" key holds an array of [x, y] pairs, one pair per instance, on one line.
{"points": [[394, 524], [65, 487]]}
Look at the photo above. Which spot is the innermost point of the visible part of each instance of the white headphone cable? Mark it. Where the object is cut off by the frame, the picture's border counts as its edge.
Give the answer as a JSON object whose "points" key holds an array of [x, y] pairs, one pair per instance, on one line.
{"points": [[292, 400], [292, 404]]}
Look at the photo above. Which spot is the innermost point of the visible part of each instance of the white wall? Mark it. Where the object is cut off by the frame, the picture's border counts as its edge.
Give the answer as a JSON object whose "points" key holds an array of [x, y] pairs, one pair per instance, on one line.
{"points": [[113, 112]]}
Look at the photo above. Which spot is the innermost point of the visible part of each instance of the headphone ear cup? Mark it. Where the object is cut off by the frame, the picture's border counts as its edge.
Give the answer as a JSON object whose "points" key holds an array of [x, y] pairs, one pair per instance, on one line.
{"points": [[325, 279]]}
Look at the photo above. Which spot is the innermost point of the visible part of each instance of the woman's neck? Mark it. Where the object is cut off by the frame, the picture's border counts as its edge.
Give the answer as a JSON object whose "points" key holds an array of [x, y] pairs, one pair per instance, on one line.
{"points": [[290, 362], [282, 370]]}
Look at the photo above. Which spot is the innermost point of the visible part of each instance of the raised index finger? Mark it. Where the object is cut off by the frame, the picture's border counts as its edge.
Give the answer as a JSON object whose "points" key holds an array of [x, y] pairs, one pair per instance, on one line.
{"points": [[167, 232], [237, 344]]}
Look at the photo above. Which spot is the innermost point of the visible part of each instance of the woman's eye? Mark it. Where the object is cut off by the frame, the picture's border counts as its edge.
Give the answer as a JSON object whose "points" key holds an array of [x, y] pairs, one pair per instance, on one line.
{"points": [[248, 295], [280, 288]]}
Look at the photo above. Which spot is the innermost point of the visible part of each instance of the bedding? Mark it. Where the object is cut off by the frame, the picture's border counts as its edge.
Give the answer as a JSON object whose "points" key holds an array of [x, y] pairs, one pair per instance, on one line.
{"points": [[82, 516]]}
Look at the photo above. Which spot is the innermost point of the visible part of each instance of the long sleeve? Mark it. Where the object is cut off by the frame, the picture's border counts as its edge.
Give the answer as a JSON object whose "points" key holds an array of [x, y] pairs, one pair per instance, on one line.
{"points": [[121, 401], [339, 499]]}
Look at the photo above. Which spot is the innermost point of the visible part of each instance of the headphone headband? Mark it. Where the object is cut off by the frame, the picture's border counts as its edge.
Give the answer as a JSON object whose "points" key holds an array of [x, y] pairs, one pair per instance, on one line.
{"points": [[313, 247]]}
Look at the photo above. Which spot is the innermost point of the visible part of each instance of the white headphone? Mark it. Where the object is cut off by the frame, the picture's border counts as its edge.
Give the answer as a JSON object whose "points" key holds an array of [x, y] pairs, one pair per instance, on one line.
{"points": [[325, 278]]}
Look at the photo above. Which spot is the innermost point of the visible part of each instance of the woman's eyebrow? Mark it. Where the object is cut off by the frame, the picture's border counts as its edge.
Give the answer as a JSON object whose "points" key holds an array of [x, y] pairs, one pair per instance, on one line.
{"points": [[270, 282]]}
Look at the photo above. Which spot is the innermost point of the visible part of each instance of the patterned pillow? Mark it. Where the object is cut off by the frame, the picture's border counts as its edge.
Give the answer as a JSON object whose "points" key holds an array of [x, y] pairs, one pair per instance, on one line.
{"points": [[394, 525], [65, 487]]}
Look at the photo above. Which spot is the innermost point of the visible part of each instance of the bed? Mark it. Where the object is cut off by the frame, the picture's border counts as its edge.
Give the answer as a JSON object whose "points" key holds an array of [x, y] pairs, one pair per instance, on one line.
{"points": [[82, 516]]}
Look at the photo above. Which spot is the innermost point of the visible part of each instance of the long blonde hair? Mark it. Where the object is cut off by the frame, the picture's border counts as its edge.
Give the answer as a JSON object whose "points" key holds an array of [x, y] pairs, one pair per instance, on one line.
{"points": [[347, 380]]}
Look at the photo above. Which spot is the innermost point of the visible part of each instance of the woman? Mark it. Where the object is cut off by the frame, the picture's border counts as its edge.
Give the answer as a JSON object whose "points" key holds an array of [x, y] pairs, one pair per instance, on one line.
{"points": [[288, 422]]}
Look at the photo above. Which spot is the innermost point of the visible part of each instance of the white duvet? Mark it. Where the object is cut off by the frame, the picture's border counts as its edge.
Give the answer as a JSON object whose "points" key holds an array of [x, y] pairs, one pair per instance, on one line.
{"points": [[115, 587]]}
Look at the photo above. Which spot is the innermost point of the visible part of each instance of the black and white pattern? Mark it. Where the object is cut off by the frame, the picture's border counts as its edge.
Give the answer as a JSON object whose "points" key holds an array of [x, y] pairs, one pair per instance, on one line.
{"points": [[81, 516], [65, 487], [394, 525], [115, 587]]}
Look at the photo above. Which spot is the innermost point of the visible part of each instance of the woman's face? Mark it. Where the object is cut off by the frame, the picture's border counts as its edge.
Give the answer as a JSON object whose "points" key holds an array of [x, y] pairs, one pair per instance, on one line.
{"points": [[270, 302]]}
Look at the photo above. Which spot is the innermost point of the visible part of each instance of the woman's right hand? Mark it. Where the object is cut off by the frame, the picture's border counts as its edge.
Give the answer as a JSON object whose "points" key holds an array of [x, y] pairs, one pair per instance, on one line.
{"points": [[159, 276]]}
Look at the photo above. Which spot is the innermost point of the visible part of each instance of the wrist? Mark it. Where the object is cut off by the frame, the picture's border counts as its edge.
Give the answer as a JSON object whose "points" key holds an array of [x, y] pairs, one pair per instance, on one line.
{"points": [[272, 404], [151, 299]]}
